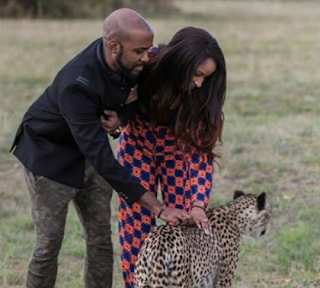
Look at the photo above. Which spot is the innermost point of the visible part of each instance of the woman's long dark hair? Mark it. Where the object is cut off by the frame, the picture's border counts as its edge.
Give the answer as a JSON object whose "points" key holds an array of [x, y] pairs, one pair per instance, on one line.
{"points": [[166, 81]]}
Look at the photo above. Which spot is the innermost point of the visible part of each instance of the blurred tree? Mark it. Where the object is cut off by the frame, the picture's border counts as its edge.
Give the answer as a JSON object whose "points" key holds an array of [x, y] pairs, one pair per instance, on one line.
{"points": [[147, 5], [79, 8]]}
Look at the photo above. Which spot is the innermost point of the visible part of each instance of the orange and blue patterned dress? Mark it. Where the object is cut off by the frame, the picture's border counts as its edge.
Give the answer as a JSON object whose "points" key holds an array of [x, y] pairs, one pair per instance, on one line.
{"points": [[154, 158]]}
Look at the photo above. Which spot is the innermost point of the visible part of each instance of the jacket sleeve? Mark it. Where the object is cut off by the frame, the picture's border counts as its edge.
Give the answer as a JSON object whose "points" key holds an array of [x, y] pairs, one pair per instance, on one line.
{"points": [[80, 108], [126, 113]]}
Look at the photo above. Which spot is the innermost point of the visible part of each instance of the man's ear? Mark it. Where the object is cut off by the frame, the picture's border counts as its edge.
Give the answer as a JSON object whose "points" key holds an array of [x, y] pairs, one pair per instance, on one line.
{"points": [[114, 46]]}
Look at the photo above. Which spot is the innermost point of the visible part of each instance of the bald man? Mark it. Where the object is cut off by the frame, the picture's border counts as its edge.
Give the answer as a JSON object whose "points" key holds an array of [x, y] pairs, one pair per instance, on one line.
{"points": [[67, 156]]}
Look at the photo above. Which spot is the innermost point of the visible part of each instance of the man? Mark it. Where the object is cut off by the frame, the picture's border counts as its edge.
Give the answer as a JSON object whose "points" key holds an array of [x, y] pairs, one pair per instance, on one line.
{"points": [[67, 156]]}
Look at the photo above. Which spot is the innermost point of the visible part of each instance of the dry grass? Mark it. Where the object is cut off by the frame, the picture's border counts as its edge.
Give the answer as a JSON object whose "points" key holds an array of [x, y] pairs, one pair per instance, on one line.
{"points": [[271, 139]]}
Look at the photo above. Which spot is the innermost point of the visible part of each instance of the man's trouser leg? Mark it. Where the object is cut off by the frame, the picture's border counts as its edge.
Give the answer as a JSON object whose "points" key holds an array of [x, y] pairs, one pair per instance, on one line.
{"points": [[93, 207], [49, 210]]}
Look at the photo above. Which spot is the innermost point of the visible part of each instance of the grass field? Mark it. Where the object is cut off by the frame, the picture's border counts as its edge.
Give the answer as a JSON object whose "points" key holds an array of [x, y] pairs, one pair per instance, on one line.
{"points": [[271, 134]]}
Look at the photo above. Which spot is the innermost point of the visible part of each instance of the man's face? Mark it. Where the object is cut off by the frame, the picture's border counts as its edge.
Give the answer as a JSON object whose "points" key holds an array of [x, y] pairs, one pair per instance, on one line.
{"points": [[133, 54]]}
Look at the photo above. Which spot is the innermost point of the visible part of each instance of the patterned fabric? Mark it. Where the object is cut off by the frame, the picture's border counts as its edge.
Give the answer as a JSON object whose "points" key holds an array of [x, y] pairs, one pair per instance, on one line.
{"points": [[154, 158], [50, 201]]}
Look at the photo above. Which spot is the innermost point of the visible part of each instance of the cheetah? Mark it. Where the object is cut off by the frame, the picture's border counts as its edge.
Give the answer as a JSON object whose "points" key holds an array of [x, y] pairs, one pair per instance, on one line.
{"points": [[184, 256]]}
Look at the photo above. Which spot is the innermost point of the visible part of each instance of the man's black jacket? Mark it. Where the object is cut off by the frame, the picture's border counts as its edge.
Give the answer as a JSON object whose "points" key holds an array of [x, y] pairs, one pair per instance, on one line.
{"points": [[61, 128]]}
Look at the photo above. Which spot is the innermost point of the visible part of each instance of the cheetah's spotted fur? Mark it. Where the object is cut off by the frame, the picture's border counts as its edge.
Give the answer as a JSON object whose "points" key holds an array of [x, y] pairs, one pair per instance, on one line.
{"points": [[184, 256]]}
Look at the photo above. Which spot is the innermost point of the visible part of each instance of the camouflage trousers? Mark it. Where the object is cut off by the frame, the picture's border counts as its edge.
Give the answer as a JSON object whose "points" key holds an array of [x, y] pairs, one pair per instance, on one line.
{"points": [[50, 201]]}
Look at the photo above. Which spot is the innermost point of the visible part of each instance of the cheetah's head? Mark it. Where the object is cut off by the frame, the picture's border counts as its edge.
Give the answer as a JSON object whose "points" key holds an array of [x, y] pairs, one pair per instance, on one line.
{"points": [[253, 213]]}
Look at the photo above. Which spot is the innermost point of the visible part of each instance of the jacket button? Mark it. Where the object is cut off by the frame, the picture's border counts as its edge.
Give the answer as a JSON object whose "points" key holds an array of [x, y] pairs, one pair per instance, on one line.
{"points": [[121, 104], [122, 88]]}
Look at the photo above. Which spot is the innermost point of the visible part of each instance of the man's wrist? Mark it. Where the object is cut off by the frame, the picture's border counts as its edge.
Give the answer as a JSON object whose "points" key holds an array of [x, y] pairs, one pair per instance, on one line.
{"points": [[150, 202], [158, 209], [116, 133], [161, 210]]}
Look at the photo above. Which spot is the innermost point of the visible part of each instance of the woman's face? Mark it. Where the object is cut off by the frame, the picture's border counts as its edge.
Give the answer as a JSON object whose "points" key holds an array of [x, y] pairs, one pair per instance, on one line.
{"points": [[205, 69]]}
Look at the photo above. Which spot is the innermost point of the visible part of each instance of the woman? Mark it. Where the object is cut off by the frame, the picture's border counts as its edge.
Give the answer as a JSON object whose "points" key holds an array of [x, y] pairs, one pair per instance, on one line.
{"points": [[170, 139]]}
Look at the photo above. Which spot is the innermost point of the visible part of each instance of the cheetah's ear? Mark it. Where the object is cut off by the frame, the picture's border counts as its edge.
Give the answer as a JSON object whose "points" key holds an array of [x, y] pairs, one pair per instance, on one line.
{"points": [[237, 194], [261, 201]]}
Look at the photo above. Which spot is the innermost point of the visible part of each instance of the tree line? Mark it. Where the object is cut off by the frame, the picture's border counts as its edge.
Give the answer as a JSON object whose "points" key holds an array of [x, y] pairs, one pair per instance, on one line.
{"points": [[77, 9]]}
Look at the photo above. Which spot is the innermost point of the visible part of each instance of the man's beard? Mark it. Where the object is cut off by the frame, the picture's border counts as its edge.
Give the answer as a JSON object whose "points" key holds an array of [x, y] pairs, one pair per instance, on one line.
{"points": [[124, 69]]}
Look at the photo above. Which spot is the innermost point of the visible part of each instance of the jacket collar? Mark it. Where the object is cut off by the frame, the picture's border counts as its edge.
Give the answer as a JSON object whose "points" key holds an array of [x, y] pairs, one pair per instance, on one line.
{"points": [[111, 74]]}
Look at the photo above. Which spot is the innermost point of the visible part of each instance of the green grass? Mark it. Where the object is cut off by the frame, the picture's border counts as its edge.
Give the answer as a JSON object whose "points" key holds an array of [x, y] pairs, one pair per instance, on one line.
{"points": [[271, 133]]}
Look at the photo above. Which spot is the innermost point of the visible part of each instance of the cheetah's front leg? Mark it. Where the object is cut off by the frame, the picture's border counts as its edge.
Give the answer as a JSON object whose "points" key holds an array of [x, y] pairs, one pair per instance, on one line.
{"points": [[228, 264]]}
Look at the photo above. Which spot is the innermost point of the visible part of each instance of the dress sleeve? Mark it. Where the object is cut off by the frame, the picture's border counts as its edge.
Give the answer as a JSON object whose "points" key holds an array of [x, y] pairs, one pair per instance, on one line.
{"points": [[80, 108], [201, 177]]}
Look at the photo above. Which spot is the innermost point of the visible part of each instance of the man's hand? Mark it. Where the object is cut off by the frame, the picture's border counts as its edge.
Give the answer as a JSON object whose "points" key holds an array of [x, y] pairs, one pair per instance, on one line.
{"points": [[112, 121], [176, 215], [149, 201]]}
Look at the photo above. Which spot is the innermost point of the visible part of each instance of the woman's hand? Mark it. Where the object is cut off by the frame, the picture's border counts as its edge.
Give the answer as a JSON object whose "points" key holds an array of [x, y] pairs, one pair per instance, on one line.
{"points": [[133, 95], [200, 218]]}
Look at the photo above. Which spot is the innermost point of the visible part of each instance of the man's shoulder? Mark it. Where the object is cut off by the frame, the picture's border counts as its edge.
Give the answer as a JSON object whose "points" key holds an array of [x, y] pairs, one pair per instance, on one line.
{"points": [[83, 75], [84, 65]]}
